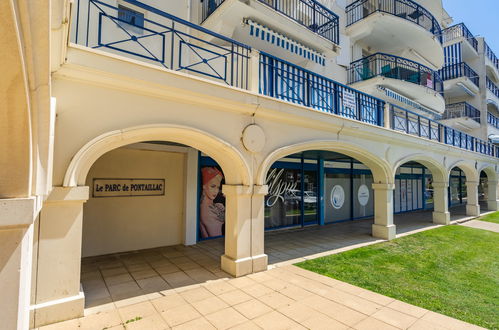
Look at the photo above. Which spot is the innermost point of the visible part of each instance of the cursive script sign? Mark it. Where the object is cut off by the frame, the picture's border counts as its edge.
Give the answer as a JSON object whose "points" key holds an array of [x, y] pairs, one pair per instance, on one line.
{"points": [[277, 187]]}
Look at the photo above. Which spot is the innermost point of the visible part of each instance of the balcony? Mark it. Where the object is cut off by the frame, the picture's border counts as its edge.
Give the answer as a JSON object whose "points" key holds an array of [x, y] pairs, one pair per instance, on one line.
{"points": [[460, 80], [462, 115], [493, 121], [411, 79], [491, 62], [492, 93], [99, 28], [390, 26], [305, 21], [460, 33]]}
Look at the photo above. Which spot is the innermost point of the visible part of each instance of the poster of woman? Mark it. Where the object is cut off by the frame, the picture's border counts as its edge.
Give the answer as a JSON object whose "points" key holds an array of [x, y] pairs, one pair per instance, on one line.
{"points": [[212, 209]]}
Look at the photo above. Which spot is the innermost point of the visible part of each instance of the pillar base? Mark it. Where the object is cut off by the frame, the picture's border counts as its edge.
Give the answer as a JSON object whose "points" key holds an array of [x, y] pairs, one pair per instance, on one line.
{"points": [[493, 205], [244, 266], [384, 232], [441, 218], [260, 263], [57, 310], [473, 210]]}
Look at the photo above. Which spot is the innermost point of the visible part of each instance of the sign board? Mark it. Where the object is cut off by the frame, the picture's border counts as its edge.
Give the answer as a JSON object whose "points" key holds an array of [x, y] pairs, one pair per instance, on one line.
{"points": [[363, 195], [429, 81], [349, 100], [337, 197], [128, 187]]}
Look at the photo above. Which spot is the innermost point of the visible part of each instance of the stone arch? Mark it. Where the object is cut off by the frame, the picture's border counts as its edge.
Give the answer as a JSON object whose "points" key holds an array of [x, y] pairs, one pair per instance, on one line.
{"points": [[437, 170], [471, 173], [232, 162], [490, 171], [379, 167]]}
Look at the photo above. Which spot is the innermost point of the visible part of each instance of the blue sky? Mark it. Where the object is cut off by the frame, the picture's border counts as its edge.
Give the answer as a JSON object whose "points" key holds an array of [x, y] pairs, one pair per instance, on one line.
{"points": [[480, 16]]}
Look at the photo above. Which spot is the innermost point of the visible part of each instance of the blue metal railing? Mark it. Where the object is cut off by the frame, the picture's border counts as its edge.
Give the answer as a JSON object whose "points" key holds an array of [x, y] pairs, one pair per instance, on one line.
{"points": [[180, 45], [458, 70], [288, 82], [492, 120], [309, 13], [458, 31], [491, 55], [492, 87], [162, 39], [462, 109], [406, 121], [405, 9], [395, 67], [409, 122]]}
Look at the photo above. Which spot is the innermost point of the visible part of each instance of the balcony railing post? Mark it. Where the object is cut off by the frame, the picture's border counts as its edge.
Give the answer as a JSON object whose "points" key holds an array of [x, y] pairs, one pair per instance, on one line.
{"points": [[254, 71], [307, 89], [271, 76], [336, 99], [358, 115]]}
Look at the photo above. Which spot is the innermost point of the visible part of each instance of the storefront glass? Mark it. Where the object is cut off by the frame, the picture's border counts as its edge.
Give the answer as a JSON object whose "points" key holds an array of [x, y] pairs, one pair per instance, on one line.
{"points": [[337, 193], [286, 202]]}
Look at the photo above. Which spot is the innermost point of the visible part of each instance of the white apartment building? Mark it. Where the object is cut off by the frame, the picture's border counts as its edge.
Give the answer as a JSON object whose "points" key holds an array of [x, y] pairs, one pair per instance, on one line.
{"points": [[129, 125], [471, 79]]}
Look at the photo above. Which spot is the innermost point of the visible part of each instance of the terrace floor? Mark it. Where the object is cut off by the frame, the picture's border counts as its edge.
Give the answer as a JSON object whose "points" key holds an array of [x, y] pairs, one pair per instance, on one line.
{"points": [[184, 287]]}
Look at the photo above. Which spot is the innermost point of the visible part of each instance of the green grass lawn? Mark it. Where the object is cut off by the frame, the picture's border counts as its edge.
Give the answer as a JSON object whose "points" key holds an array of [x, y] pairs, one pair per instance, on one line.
{"points": [[452, 270], [493, 217]]}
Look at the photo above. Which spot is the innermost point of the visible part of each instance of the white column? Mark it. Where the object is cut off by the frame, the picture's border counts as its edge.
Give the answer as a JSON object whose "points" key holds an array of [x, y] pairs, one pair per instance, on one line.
{"points": [[244, 230], [58, 296], [472, 206], [441, 213], [254, 71], [387, 116], [16, 246], [492, 195], [383, 226], [258, 256]]}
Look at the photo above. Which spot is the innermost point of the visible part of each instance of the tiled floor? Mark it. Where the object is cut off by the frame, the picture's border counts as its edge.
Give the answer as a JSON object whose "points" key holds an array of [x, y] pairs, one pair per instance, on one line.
{"points": [[281, 298], [184, 287]]}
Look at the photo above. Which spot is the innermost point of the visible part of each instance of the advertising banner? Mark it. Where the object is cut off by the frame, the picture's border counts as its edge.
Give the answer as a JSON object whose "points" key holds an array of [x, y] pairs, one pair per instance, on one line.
{"points": [[211, 203]]}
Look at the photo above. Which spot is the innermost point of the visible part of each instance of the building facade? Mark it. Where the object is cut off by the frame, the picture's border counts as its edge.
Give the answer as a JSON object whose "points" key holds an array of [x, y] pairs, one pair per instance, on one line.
{"points": [[131, 125]]}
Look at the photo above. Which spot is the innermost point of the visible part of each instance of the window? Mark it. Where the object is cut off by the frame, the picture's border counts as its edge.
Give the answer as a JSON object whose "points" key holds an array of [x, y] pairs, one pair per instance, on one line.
{"points": [[130, 16]]}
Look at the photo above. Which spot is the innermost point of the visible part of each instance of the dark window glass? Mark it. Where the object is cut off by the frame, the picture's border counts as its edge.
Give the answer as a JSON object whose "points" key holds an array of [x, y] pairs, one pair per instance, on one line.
{"points": [[130, 16]]}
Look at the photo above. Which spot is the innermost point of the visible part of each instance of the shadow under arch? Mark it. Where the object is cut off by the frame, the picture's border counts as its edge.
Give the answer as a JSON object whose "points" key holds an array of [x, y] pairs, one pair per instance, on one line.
{"points": [[438, 171], [235, 168], [379, 167]]}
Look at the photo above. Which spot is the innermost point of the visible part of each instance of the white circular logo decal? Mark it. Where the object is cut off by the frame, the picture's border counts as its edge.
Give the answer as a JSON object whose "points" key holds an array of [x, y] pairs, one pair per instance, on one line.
{"points": [[363, 195], [337, 197]]}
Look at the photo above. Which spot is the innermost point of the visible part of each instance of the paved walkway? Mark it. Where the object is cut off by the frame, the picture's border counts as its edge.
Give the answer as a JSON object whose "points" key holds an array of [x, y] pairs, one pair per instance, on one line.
{"points": [[281, 298], [482, 225], [184, 288]]}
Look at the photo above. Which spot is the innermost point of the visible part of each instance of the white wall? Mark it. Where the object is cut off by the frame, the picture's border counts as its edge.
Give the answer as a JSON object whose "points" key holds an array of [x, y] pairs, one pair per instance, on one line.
{"points": [[115, 224]]}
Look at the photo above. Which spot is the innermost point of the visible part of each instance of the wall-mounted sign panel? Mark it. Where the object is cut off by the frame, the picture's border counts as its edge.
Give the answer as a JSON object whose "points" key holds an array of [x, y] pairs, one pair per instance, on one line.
{"points": [[349, 100], [128, 187]]}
